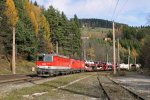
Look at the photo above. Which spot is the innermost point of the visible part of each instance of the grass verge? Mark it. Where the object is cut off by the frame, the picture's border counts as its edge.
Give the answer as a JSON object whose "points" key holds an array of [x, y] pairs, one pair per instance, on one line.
{"points": [[45, 87], [22, 66]]}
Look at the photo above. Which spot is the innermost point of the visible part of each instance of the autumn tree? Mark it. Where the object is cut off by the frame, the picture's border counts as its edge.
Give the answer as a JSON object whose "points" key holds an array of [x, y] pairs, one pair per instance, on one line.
{"points": [[12, 14], [91, 53], [33, 14], [41, 26], [135, 54], [46, 34]]}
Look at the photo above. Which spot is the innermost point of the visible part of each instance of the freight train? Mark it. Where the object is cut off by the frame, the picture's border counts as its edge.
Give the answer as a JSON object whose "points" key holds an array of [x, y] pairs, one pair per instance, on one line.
{"points": [[53, 64]]}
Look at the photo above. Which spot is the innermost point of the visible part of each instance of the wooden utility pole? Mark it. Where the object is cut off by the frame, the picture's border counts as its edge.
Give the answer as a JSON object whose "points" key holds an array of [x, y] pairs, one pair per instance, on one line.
{"points": [[118, 55], [114, 49], [13, 53], [84, 47], [84, 51]]}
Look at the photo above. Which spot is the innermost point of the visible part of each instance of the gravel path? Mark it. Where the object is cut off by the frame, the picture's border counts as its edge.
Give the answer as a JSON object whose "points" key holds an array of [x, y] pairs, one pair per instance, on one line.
{"points": [[140, 84], [114, 91], [85, 89]]}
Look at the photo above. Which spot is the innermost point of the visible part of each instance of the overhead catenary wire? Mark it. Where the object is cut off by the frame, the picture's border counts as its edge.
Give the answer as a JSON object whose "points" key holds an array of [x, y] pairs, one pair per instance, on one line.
{"points": [[120, 11], [114, 10], [109, 9], [111, 5]]}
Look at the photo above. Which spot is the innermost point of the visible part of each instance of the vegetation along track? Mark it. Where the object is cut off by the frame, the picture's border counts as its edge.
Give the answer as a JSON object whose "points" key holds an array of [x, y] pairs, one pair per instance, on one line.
{"points": [[114, 91]]}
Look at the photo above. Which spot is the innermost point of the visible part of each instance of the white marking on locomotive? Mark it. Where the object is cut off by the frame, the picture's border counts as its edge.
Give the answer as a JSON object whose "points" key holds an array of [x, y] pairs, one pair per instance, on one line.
{"points": [[53, 67]]}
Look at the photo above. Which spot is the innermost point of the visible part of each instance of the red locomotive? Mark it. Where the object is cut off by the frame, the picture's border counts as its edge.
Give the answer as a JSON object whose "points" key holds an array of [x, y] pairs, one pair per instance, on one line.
{"points": [[52, 64]]}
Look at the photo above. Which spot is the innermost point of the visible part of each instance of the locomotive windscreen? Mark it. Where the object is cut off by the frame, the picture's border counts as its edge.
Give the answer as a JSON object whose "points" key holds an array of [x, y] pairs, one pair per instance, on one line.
{"points": [[46, 58]]}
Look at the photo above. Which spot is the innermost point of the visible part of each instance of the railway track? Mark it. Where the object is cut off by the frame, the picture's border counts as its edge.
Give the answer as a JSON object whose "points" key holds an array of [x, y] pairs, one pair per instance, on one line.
{"points": [[114, 91], [17, 79], [134, 94], [105, 93]]}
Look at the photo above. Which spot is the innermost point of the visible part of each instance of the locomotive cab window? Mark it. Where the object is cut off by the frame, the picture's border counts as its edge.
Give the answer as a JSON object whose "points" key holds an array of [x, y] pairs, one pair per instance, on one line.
{"points": [[48, 58], [40, 58]]}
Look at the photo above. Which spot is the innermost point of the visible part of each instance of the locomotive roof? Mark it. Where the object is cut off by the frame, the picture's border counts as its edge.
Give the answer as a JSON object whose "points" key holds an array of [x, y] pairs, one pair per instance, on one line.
{"points": [[56, 55]]}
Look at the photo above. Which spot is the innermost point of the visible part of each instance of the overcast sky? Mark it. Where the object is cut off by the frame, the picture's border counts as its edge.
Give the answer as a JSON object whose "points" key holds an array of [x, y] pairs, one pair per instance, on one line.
{"points": [[131, 12]]}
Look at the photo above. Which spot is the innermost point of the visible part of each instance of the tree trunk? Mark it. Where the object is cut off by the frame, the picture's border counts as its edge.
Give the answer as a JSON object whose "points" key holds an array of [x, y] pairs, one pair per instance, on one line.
{"points": [[13, 53]]}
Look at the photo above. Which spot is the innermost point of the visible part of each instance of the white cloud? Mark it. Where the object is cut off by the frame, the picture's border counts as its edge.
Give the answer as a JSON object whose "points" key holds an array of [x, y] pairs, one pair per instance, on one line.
{"points": [[82, 7], [133, 20], [130, 14]]}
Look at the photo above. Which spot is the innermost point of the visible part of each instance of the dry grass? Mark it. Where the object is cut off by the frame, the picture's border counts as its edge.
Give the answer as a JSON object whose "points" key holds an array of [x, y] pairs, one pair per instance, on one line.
{"points": [[22, 66]]}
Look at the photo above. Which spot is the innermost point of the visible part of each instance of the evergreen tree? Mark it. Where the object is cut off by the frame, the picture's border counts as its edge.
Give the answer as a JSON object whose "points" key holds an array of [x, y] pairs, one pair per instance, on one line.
{"points": [[76, 39], [5, 30], [144, 56]]}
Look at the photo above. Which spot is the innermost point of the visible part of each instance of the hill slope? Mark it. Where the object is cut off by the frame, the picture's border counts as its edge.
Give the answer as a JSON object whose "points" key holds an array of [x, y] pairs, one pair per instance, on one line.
{"points": [[92, 22]]}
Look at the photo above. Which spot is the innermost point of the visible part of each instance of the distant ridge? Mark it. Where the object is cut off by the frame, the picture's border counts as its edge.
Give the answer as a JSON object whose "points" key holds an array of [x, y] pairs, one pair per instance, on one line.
{"points": [[93, 22]]}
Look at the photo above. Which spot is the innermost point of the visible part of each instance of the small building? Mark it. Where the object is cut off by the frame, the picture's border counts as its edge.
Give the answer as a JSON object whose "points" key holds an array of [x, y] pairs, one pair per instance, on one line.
{"points": [[107, 39]]}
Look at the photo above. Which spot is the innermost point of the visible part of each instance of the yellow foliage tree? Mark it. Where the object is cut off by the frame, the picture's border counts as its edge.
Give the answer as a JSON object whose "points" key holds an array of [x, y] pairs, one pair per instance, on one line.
{"points": [[12, 14], [34, 22], [135, 54], [31, 12], [90, 53], [39, 21], [45, 26]]}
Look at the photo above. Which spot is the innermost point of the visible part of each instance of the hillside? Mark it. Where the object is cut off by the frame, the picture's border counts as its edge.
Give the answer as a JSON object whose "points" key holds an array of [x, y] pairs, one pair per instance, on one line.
{"points": [[133, 37], [97, 32], [93, 22], [95, 46]]}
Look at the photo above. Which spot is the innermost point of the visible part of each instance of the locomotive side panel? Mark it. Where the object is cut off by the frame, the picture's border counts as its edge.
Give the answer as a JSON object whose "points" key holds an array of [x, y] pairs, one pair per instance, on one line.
{"points": [[78, 66]]}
